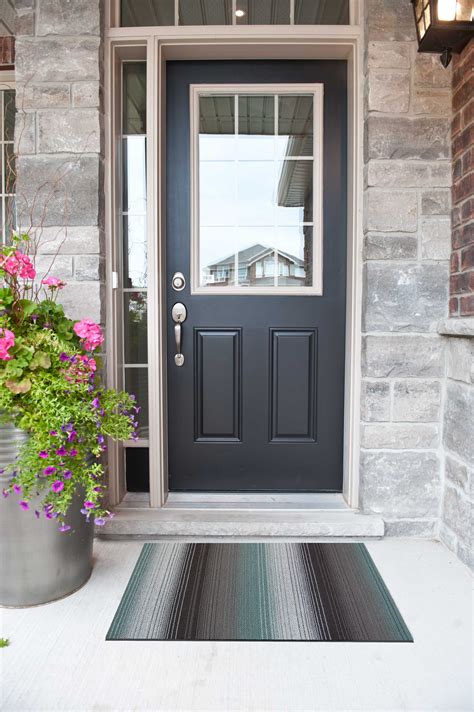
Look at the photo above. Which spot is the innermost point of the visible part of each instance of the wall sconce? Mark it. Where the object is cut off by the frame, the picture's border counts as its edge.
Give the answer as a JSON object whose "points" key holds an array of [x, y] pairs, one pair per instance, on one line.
{"points": [[443, 26]]}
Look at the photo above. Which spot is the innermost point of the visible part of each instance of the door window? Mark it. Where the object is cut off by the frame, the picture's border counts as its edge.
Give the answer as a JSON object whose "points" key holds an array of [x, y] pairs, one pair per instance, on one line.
{"points": [[257, 167]]}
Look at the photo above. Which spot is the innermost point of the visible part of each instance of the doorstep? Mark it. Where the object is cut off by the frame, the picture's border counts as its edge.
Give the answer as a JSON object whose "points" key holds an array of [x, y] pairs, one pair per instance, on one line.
{"points": [[147, 523]]}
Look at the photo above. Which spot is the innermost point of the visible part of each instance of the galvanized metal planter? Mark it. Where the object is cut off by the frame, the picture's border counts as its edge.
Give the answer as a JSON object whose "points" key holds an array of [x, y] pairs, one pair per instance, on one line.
{"points": [[38, 563]]}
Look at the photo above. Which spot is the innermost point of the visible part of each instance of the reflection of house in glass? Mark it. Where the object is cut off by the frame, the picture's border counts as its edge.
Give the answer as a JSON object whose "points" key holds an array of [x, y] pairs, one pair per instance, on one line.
{"points": [[256, 267]]}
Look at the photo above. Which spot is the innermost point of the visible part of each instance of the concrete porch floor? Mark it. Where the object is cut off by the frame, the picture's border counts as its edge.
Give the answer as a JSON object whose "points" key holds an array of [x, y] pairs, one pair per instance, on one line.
{"points": [[59, 660]]}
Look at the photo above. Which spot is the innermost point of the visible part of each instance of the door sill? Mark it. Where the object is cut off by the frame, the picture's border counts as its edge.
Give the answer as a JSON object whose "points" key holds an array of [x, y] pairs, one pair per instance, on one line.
{"points": [[305, 517]]}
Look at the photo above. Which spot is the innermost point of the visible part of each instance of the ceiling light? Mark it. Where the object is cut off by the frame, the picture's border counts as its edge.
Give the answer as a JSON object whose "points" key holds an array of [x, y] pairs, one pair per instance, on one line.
{"points": [[239, 13]]}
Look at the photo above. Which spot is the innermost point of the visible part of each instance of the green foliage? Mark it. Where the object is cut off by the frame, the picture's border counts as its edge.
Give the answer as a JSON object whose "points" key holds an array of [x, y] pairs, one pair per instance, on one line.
{"points": [[50, 387], [4, 642]]}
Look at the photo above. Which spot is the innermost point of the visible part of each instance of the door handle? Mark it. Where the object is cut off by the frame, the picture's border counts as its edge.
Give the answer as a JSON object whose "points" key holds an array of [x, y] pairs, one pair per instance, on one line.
{"points": [[178, 314]]}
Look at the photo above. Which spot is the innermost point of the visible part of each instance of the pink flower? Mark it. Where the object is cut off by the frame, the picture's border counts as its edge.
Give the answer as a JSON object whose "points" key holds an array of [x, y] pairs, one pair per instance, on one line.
{"points": [[89, 505], [53, 282], [7, 340], [57, 486], [90, 333], [18, 264], [24, 505]]}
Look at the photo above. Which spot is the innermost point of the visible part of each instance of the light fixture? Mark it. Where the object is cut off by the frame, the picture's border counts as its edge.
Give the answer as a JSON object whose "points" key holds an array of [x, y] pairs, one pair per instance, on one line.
{"points": [[239, 13], [443, 26]]}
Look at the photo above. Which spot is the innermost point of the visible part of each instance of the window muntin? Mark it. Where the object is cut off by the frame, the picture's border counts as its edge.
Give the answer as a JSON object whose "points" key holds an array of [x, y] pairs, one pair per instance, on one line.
{"points": [[257, 167], [150, 13]]}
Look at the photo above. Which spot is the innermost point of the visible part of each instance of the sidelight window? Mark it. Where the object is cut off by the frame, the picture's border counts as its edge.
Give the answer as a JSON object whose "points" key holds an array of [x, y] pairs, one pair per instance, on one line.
{"points": [[7, 167], [257, 185], [134, 245]]}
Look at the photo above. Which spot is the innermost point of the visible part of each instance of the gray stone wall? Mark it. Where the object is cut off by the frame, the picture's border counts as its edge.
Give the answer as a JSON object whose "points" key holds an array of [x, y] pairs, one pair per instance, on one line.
{"points": [[406, 272], [457, 499], [59, 142]]}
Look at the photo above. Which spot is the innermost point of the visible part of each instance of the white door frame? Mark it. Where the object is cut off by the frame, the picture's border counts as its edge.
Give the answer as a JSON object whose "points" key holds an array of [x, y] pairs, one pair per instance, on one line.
{"points": [[157, 45]]}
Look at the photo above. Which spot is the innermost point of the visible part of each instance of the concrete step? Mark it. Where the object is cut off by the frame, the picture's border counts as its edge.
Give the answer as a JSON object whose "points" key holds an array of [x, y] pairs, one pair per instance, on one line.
{"points": [[141, 523]]}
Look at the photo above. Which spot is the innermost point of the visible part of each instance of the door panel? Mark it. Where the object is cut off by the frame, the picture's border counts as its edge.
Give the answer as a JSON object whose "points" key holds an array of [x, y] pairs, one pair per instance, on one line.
{"points": [[258, 403]]}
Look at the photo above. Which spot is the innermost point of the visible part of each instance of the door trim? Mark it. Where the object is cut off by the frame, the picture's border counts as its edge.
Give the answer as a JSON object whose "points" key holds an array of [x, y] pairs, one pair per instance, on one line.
{"points": [[166, 43]]}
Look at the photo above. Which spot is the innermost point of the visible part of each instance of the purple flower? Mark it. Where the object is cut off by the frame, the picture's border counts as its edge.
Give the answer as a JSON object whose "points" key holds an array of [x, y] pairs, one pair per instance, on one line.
{"points": [[50, 470], [43, 454], [96, 403], [89, 505], [34, 317], [72, 436], [54, 433], [24, 505], [100, 521], [49, 515], [73, 453], [67, 474], [97, 489], [5, 493], [61, 451], [37, 514], [64, 528], [63, 357], [57, 486], [17, 489], [100, 439]]}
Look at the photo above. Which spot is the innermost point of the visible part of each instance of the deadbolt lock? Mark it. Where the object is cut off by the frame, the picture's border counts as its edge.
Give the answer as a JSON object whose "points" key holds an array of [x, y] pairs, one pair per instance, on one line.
{"points": [[178, 282]]}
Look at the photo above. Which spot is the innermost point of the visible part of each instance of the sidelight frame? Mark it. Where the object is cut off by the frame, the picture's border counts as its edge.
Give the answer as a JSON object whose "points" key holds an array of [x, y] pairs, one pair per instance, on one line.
{"points": [[157, 45]]}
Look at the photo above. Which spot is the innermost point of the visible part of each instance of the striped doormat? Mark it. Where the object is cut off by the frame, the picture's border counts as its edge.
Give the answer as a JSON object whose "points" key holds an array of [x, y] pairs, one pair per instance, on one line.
{"points": [[275, 591]]}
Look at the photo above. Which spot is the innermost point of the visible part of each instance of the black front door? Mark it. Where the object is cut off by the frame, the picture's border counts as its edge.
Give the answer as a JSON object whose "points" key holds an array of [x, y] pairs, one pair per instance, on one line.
{"points": [[256, 223]]}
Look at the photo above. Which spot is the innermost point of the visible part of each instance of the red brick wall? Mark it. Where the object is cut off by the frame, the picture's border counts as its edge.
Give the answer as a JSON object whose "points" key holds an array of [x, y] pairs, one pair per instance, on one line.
{"points": [[462, 258], [7, 52]]}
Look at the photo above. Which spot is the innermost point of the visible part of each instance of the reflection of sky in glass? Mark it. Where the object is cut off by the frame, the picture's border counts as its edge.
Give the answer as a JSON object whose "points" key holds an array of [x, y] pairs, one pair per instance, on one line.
{"points": [[135, 257], [238, 202]]}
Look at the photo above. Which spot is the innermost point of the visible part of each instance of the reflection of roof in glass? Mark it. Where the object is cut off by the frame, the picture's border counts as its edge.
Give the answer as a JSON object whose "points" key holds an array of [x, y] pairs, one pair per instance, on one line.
{"points": [[254, 254]]}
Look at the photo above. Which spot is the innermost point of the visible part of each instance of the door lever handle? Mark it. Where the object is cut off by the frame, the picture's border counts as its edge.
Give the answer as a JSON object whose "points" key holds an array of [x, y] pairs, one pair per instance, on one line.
{"points": [[178, 314]]}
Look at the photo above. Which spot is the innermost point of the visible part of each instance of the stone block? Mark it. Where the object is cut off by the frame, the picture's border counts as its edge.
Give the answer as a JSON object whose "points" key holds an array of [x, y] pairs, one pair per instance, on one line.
{"points": [[25, 23], [460, 360], [436, 202], [447, 536], [53, 266], [389, 91], [389, 55], [69, 131], [375, 400], [391, 211], [436, 238], [44, 96], [394, 436], [69, 240], [387, 356], [25, 132], [86, 94], [408, 138], [405, 297], [88, 268], [390, 247], [84, 300], [459, 420], [465, 552], [457, 473], [416, 401], [456, 513], [408, 174], [400, 484], [57, 59], [429, 71], [435, 102], [389, 20], [419, 528], [69, 17], [58, 190]]}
